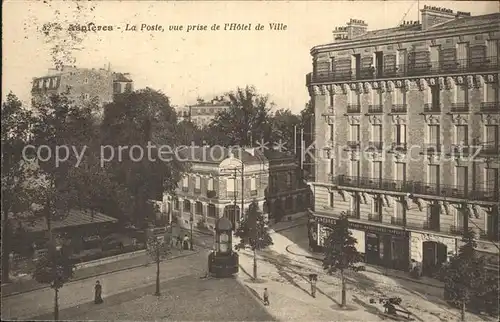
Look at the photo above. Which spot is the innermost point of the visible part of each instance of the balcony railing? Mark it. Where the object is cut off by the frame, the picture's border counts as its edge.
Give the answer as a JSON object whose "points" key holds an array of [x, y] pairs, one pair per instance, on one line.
{"points": [[457, 230], [406, 70], [376, 145], [197, 190], [432, 108], [353, 108], [490, 107], [375, 217], [397, 221], [429, 225], [399, 108], [185, 189], [353, 214], [253, 192], [375, 108], [459, 107], [353, 145], [211, 194], [417, 187], [489, 149]]}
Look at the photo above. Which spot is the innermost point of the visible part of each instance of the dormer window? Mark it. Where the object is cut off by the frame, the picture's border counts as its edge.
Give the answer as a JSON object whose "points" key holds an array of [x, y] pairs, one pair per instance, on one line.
{"points": [[86, 81]]}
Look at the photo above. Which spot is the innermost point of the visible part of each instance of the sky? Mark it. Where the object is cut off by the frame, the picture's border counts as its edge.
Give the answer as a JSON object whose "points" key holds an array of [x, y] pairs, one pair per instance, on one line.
{"points": [[186, 65]]}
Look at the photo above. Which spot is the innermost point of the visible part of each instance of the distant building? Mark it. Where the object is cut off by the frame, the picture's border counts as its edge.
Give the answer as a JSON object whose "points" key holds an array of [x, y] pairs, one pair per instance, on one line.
{"points": [[81, 84], [212, 187], [203, 112], [407, 137]]}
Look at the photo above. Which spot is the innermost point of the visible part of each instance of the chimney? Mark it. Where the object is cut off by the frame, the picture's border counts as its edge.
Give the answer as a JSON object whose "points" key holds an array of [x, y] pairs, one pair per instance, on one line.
{"points": [[432, 16], [356, 27], [461, 14], [340, 33]]}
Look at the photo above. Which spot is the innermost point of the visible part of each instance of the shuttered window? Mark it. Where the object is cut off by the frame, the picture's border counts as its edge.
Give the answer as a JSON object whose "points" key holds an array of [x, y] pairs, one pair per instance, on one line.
{"points": [[433, 174], [461, 173], [462, 135], [434, 134]]}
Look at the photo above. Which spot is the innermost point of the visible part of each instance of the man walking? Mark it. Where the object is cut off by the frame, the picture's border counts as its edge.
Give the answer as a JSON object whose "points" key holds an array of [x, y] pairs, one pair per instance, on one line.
{"points": [[266, 297]]}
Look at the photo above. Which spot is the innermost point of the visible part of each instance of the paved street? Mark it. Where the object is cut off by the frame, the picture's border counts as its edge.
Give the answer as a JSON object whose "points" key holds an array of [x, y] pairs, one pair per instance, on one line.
{"points": [[285, 275]]}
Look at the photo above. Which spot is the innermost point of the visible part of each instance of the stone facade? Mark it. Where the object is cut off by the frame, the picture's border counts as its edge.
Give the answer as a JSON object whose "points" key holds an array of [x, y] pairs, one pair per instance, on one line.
{"points": [[202, 113], [407, 129]]}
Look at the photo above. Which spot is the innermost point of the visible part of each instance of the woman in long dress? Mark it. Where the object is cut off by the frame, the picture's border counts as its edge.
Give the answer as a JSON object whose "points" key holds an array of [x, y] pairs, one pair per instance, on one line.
{"points": [[98, 293]]}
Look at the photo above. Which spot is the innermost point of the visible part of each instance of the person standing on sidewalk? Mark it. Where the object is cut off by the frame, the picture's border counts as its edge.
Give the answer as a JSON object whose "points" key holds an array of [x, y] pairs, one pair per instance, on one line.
{"points": [[313, 278], [98, 293], [266, 297]]}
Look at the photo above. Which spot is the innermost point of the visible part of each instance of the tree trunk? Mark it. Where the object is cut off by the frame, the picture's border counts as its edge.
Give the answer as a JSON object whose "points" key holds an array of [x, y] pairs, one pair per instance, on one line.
{"points": [[254, 264], [157, 293], [56, 304], [5, 247], [462, 311], [343, 288]]}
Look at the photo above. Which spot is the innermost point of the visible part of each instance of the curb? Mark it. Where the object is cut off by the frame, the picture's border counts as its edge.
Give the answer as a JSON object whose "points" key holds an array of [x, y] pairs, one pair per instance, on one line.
{"points": [[41, 287], [393, 276]]}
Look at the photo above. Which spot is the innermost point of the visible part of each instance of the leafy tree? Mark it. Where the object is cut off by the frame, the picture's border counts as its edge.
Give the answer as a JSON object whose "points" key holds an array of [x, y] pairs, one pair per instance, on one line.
{"points": [[158, 249], [246, 120], [307, 125], [283, 124], [16, 121], [340, 252], [253, 233], [146, 120], [55, 268], [465, 275]]}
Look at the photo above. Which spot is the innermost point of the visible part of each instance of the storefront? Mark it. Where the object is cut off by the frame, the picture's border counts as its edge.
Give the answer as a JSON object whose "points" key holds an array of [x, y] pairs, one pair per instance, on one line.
{"points": [[380, 245], [431, 251]]}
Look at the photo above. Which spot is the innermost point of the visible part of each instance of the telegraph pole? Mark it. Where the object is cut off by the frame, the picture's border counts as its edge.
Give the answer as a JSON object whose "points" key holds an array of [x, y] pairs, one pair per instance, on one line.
{"points": [[295, 139], [242, 190], [302, 145], [235, 204]]}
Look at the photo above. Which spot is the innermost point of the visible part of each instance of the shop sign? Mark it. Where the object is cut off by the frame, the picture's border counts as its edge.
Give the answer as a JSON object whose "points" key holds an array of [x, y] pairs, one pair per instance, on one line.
{"points": [[367, 228]]}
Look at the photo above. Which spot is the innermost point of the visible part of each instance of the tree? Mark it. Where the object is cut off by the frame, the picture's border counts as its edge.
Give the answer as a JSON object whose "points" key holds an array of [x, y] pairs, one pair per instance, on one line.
{"points": [[16, 121], [54, 268], [143, 119], [253, 233], [284, 123], [158, 249], [465, 274], [246, 120], [340, 252]]}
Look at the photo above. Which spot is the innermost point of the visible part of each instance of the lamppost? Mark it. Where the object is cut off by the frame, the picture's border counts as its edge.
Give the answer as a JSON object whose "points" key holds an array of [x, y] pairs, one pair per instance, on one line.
{"points": [[191, 219]]}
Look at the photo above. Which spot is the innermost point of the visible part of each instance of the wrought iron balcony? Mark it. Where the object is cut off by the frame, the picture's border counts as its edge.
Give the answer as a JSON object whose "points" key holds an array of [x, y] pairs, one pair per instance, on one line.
{"points": [[353, 108], [375, 217], [211, 193], [489, 148], [197, 190], [429, 225], [457, 230], [490, 107], [432, 108], [185, 189], [353, 145], [397, 221], [376, 145], [406, 70], [399, 108], [375, 108], [353, 214], [459, 107], [417, 187]]}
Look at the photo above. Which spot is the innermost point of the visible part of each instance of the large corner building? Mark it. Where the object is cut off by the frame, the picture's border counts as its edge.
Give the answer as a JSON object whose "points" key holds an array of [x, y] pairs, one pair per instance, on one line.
{"points": [[407, 136]]}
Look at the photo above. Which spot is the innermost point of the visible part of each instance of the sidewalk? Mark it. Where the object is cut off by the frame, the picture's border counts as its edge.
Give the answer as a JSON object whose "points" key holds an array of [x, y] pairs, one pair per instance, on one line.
{"points": [[289, 287], [427, 281], [40, 302]]}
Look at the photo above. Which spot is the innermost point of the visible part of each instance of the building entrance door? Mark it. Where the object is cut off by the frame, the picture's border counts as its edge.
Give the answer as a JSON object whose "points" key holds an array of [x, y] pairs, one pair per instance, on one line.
{"points": [[372, 249], [434, 255]]}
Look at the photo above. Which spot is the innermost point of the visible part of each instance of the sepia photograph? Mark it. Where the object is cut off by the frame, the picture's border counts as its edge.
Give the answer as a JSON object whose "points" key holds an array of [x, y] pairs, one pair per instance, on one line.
{"points": [[250, 160]]}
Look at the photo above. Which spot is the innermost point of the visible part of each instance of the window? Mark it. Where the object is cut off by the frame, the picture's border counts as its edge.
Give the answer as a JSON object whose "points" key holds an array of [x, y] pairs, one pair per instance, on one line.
{"points": [[231, 184], [462, 135], [400, 171], [210, 184], [491, 134], [461, 178], [197, 183], [491, 180], [86, 81], [377, 133], [376, 170], [461, 219], [187, 205], [377, 205], [253, 184], [462, 54], [462, 94], [433, 177], [435, 97], [490, 93], [185, 181], [354, 169], [433, 214], [434, 134], [330, 199], [355, 132], [400, 134]]}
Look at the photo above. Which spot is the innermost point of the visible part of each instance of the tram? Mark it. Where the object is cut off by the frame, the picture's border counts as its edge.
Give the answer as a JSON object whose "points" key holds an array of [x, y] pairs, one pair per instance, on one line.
{"points": [[223, 261]]}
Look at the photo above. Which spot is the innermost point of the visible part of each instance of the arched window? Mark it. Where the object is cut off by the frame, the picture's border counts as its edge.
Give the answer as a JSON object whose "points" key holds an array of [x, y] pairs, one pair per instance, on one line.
{"points": [[187, 205]]}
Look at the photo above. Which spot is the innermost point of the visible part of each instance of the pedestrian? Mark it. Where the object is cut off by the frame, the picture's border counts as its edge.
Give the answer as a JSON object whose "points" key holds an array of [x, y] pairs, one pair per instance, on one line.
{"points": [[98, 293], [178, 242], [186, 242], [266, 297], [313, 278]]}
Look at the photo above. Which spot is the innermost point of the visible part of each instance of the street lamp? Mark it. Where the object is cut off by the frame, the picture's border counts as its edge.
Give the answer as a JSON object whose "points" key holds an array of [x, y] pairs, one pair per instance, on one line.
{"points": [[191, 219]]}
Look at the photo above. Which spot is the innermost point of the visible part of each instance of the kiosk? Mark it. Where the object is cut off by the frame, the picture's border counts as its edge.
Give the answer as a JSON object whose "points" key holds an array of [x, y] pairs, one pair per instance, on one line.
{"points": [[223, 261]]}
